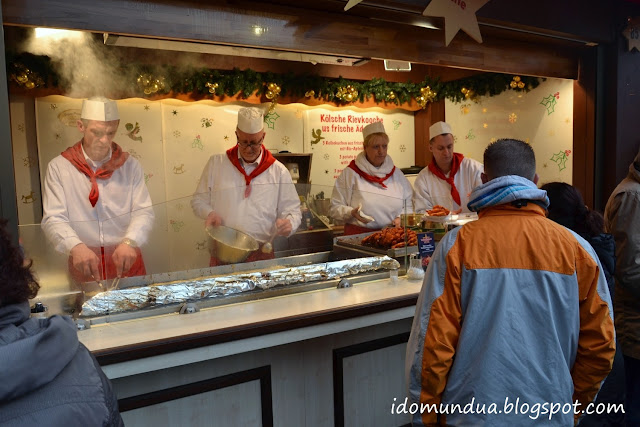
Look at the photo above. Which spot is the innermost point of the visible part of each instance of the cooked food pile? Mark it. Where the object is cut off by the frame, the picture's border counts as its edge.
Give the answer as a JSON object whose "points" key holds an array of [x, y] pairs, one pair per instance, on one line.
{"points": [[392, 237], [438, 211]]}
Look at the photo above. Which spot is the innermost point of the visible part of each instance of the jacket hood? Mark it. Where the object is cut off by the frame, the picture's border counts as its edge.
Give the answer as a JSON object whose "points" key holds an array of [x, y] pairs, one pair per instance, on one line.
{"points": [[33, 351], [506, 189]]}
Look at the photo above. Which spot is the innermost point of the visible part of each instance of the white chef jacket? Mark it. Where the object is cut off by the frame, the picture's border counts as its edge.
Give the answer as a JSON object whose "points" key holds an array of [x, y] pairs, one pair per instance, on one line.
{"points": [[383, 204], [273, 195], [429, 190], [123, 209]]}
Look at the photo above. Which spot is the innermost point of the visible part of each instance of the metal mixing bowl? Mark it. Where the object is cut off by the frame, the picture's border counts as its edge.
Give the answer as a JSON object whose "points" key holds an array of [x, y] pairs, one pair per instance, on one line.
{"points": [[231, 245]]}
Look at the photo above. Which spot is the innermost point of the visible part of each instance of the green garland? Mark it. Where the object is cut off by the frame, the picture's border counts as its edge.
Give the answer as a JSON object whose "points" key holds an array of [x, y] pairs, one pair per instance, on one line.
{"points": [[30, 71]]}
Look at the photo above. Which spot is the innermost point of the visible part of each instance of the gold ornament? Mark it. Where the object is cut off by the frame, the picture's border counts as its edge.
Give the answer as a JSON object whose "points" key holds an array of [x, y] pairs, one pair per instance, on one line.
{"points": [[468, 93], [150, 84], [273, 90], [391, 95], [347, 93], [25, 77], [212, 87], [422, 101], [426, 96], [310, 94], [517, 83]]}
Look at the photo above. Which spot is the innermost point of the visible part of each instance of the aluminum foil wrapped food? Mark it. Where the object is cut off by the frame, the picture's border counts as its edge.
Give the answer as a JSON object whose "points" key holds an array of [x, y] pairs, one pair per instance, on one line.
{"points": [[160, 294]]}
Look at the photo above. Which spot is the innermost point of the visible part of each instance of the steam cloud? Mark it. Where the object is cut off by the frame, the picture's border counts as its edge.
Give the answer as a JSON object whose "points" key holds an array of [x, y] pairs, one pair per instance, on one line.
{"points": [[86, 66]]}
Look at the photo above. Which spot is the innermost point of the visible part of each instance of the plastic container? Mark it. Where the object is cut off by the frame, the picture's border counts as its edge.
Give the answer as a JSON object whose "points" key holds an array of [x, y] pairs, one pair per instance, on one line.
{"points": [[393, 276]]}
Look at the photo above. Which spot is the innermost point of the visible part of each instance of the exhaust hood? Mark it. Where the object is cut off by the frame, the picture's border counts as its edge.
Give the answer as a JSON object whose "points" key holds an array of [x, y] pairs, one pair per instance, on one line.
{"points": [[219, 49]]}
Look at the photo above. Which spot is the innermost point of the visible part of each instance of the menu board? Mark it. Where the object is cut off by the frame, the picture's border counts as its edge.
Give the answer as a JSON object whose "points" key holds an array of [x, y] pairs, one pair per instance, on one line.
{"points": [[334, 136]]}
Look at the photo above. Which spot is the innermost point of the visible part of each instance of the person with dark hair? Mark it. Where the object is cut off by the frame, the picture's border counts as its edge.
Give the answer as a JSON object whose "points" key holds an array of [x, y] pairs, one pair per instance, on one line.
{"points": [[566, 207], [47, 377], [514, 310], [622, 219]]}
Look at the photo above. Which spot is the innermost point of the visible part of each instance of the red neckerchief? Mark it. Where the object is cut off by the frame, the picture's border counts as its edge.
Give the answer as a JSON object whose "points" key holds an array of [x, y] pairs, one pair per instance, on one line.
{"points": [[371, 178], [267, 160], [455, 167], [75, 155]]}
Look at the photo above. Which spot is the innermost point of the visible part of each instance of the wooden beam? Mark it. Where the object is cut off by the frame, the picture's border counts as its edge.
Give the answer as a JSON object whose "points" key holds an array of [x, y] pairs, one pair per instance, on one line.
{"points": [[295, 29]]}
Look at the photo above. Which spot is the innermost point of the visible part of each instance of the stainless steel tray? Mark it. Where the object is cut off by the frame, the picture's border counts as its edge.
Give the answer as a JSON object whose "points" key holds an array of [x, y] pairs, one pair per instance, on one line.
{"points": [[354, 241]]}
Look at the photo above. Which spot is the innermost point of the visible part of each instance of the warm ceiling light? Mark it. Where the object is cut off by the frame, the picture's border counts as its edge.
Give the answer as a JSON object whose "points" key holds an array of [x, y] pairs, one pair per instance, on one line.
{"points": [[55, 33], [258, 30]]}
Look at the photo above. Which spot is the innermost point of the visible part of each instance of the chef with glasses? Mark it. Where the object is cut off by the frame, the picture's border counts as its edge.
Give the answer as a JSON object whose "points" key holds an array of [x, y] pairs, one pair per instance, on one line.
{"points": [[247, 189]]}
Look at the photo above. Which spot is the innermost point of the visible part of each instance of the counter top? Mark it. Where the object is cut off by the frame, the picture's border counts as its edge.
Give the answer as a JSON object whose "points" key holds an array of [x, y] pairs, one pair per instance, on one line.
{"points": [[259, 323]]}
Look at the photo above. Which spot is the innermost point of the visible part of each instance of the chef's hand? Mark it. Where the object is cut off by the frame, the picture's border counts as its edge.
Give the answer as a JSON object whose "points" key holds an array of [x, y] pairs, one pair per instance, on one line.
{"points": [[396, 222], [85, 261], [123, 257], [284, 226], [356, 214], [213, 219]]}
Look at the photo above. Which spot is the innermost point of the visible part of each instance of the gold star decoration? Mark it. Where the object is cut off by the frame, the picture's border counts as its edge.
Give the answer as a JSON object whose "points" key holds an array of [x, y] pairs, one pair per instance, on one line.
{"points": [[632, 33], [352, 3], [458, 15]]}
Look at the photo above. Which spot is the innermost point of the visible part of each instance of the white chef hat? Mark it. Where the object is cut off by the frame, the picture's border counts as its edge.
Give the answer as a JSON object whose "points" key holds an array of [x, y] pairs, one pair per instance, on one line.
{"points": [[375, 127], [250, 120], [99, 108], [439, 128]]}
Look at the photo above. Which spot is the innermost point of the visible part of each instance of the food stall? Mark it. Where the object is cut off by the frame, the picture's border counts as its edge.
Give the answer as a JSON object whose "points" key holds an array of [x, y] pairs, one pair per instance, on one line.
{"points": [[289, 349], [199, 339]]}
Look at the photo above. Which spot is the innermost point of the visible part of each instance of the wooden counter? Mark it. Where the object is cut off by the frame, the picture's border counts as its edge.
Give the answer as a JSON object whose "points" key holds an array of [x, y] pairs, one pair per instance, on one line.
{"points": [[283, 360]]}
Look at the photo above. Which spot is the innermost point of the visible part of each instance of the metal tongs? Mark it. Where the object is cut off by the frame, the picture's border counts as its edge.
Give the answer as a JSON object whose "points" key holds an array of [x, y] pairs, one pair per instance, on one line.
{"points": [[115, 283], [99, 282]]}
